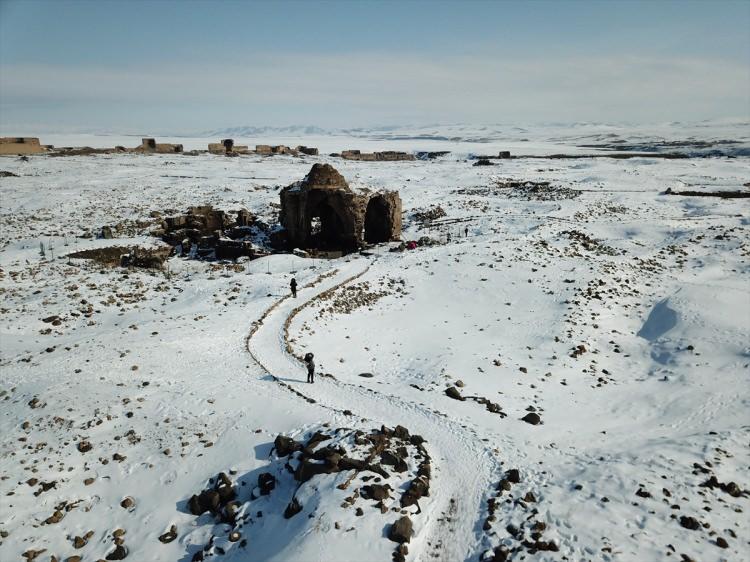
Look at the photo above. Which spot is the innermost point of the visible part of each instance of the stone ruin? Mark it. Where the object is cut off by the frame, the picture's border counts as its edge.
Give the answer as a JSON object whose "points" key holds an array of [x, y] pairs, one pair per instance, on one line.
{"points": [[269, 150], [150, 145], [21, 145], [323, 212], [385, 156], [227, 146], [206, 232]]}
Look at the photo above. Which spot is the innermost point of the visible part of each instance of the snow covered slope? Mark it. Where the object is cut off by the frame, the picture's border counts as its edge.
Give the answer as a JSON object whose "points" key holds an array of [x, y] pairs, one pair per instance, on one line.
{"points": [[592, 335]]}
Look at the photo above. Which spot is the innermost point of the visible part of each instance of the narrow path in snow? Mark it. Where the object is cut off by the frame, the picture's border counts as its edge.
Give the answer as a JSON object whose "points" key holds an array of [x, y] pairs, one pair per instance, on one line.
{"points": [[463, 467]]}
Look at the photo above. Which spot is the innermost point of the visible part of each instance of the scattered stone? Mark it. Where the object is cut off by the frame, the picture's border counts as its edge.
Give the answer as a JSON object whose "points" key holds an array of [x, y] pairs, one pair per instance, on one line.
{"points": [[532, 418]]}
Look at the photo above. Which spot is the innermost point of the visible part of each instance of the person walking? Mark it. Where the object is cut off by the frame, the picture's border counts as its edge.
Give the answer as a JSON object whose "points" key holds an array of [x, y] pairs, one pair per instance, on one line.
{"points": [[310, 368], [466, 232], [293, 286]]}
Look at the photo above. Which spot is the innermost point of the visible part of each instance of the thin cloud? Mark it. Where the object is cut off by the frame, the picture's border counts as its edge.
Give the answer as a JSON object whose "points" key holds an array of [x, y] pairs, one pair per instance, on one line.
{"points": [[362, 89]]}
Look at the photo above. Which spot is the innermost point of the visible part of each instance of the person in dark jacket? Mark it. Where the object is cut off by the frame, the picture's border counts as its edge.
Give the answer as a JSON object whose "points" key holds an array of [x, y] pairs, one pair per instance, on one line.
{"points": [[293, 286], [310, 367]]}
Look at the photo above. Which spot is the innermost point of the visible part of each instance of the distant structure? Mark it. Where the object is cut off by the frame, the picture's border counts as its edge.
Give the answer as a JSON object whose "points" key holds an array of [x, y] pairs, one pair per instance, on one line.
{"points": [[270, 150], [150, 145], [227, 146], [387, 156], [323, 212], [21, 145]]}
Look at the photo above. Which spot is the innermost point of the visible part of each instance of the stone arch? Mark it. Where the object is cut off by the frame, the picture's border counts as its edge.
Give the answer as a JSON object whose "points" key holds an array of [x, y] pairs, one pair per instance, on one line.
{"points": [[378, 227], [325, 227]]}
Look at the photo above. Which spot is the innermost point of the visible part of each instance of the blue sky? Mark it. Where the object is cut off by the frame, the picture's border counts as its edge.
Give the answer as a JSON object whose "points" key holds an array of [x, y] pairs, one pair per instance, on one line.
{"points": [[192, 66]]}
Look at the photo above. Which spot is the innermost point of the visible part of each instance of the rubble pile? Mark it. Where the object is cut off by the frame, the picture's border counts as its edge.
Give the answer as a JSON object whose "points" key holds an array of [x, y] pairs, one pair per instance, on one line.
{"points": [[380, 473]]}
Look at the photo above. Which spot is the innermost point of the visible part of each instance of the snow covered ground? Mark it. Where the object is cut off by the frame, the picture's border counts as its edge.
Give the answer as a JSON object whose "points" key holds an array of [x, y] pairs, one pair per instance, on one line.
{"points": [[617, 314]]}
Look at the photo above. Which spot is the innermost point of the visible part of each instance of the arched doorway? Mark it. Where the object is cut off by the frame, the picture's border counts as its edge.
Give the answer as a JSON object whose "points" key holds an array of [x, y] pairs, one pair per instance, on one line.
{"points": [[326, 229], [377, 221]]}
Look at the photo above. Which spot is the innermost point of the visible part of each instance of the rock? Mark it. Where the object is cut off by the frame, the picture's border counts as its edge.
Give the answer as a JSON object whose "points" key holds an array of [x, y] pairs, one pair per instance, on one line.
{"points": [[401, 432], [529, 497], [416, 440], [119, 553], [308, 469], [513, 476], [32, 554], [390, 459], [84, 446], [207, 500], [401, 530], [377, 491], [452, 392], [689, 523], [641, 493], [127, 503], [359, 512], [56, 517], [73, 559], [721, 542], [459, 383], [285, 445], [292, 509], [79, 542], [366, 375], [532, 418], [169, 536], [266, 483]]}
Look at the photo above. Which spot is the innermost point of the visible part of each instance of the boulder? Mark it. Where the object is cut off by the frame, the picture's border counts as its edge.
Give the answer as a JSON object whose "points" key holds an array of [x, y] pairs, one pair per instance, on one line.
{"points": [[452, 392], [266, 483], [401, 530], [285, 445]]}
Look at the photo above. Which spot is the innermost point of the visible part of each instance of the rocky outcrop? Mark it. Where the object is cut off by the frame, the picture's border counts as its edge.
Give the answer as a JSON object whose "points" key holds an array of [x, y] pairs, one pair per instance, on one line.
{"points": [[323, 212]]}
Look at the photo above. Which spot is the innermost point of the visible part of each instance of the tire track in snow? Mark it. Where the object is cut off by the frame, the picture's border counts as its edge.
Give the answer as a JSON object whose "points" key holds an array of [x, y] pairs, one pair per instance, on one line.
{"points": [[463, 466]]}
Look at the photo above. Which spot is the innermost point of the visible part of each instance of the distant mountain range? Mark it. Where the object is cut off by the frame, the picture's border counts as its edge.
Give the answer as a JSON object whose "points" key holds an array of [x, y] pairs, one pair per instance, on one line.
{"points": [[248, 131]]}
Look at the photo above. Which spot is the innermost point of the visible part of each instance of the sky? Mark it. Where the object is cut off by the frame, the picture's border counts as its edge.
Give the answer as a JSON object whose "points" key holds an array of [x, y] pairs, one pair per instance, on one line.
{"points": [[190, 66]]}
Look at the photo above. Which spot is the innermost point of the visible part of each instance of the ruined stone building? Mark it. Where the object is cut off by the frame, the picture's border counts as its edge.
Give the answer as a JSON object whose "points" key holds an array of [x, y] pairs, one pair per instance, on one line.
{"points": [[227, 146], [150, 145], [323, 212], [20, 145]]}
